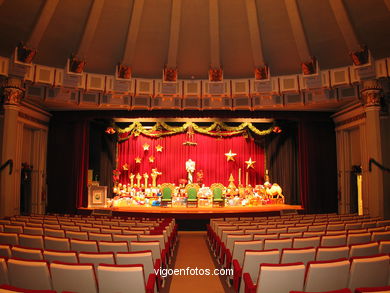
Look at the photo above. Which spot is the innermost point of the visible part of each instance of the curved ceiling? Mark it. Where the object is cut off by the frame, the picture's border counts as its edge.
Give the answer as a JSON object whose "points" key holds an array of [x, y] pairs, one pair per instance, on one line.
{"points": [[194, 34]]}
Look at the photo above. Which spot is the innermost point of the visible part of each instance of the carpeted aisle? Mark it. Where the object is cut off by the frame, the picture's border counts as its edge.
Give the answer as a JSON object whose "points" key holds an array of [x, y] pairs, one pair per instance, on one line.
{"points": [[194, 253]]}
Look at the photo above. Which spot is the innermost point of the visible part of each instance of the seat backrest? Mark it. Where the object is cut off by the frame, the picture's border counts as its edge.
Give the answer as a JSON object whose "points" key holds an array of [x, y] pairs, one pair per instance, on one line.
{"points": [[54, 232], [320, 273], [167, 190], [5, 250], [113, 246], [3, 271], [291, 235], [334, 240], [84, 245], [280, 277], [252, 260], [357, 238], [9, 238], [331, 253], [120, 278], [144, 258], [27, 253], [277, 244], [297, 229], [99, 236], [126, 237], [384, 246], [56, 243], [33, 230], [230, 232], [81, 235], [60, 256], [291, 255], [73, 277], [96, 258], [29, 274], [32, 241], [255, 231], [365, 249], [153, 246], [302, 242], [13, 229], [233, 238], [370, 271], [240, 247], [159, 238], [265, 236], [316, 228], [378, 236], [217, 190]]}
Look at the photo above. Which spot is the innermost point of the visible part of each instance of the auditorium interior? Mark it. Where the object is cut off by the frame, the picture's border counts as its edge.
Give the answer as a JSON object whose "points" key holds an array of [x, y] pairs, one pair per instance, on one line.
{"points": [[147, 143]]}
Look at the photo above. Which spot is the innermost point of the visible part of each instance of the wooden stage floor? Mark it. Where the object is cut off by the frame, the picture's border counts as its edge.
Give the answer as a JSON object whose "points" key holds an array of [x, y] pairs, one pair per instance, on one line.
{"points": [[197, 213]]}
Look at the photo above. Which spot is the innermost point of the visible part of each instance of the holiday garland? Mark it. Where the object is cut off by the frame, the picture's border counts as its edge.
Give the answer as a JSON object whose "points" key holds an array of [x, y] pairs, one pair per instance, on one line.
{"points": [[160, 129]]}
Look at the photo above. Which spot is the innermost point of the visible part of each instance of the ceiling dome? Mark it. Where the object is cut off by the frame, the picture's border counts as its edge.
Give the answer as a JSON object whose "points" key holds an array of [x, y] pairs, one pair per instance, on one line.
{"points": [[194, 35]]}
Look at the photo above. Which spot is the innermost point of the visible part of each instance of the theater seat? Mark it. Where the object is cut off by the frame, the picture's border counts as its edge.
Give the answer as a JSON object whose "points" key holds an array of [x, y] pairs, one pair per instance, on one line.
{"points": [[29, 274], [275, 278], [385, 289], [124, 278], [73, 277], [11, 289], [345, 290]]}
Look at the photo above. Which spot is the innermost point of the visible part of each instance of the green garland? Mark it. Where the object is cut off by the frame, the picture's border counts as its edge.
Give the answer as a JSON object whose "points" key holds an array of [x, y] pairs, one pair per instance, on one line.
{"points": [[218, 129]]}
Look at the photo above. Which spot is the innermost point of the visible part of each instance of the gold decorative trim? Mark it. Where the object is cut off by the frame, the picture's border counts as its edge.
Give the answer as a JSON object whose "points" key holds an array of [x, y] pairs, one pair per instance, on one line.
{"points": [[33, 119], [352, 119]]}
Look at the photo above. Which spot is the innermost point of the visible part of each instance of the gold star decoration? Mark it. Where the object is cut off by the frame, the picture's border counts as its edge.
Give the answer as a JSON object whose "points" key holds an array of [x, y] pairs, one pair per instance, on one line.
{"points": [[159, 148], [138, 160], [250, 163], [125, 166], [230, 156], [151, 159], [146, 146]]}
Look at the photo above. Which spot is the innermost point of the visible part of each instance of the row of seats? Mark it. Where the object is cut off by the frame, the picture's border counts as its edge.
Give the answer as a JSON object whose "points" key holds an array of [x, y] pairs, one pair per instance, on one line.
{"points": [[319, 276], [239, 245], [356, 243], [78, 277]]}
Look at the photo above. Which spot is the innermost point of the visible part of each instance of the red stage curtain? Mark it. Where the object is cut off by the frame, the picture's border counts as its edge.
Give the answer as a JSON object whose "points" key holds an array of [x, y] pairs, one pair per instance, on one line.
{"points": [[208, 154]]}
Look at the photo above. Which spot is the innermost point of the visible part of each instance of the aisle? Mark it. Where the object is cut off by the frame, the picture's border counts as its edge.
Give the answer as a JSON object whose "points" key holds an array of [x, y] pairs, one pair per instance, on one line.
{"points": [[194, 253]]}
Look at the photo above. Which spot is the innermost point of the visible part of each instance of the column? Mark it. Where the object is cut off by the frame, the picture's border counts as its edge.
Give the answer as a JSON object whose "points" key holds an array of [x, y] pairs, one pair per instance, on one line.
{"points": [[371, 95], [13, 92]]}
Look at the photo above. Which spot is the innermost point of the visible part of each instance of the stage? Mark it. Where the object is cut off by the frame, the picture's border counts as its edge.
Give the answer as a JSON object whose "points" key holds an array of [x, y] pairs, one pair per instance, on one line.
{"points": [[205, 213]]}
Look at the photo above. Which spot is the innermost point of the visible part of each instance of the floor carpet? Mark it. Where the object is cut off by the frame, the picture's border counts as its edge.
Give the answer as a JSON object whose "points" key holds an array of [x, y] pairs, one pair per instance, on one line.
{"points": [[193, 253]]}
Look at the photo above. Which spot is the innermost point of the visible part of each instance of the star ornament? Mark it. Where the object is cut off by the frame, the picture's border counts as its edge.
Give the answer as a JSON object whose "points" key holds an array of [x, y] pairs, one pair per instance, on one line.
{"points": [[230, 156], [159, 148], [250, 163], [138, 160], [146, 146], [151, 159]]}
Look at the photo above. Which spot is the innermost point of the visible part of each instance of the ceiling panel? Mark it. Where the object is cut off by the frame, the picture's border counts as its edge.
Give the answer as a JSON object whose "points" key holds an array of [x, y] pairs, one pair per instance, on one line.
{"points": [[194, 40], [17, 18], [153, 39], [235, 45], [64, 32], [371, 18], [280, 51], [110, 37]]}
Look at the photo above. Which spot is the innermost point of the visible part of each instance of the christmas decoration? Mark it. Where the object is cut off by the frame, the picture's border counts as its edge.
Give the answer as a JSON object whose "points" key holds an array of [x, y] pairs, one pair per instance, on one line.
{"points": [[250, 163], [159, 148], [151, 159], [138, 160], [146, 146], [218, 129], [230, 156]]}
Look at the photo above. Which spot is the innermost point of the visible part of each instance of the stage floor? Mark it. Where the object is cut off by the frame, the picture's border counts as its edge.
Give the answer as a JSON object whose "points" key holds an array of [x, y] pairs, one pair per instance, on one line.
{"points": [[197, 213]]}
